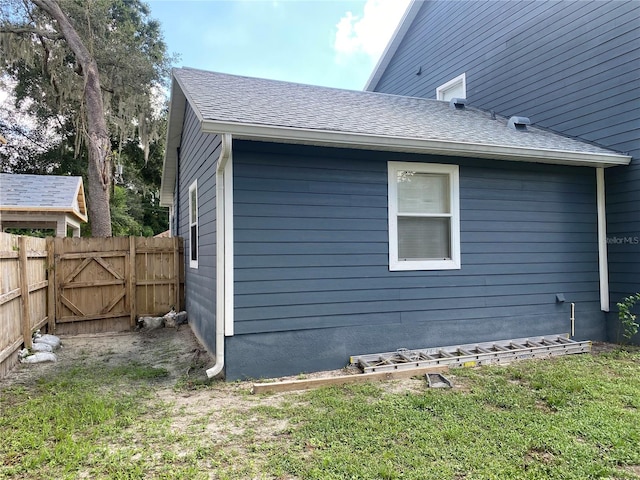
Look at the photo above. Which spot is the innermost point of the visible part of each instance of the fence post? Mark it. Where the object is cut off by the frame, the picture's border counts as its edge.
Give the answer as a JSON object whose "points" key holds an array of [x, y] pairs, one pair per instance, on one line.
{"points": [[51, 287], [133, 304], [176, 272], [24, 291]]}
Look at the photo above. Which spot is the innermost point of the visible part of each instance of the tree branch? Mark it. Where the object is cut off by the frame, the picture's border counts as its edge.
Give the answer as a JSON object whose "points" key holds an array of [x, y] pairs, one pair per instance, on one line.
{"points": [[31, 30]]}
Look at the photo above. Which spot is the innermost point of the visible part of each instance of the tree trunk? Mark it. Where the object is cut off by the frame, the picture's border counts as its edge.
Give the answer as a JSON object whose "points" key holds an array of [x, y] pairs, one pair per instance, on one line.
{"points": [[97, 135]]}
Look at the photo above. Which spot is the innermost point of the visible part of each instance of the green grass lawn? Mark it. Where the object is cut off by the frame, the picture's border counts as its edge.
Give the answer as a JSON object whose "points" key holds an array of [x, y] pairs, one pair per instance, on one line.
{"points": [[575, 417]]}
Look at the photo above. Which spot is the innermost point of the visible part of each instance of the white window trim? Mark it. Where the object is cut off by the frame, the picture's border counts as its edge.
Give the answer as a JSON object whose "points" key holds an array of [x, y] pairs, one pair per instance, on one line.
{"points": [[453, 171], [459, 80], [192, 223]]}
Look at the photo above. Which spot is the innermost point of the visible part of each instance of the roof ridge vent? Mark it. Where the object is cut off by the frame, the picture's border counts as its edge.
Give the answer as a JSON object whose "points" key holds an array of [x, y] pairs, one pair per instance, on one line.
{"points": [[519, 123], [458, 103]]}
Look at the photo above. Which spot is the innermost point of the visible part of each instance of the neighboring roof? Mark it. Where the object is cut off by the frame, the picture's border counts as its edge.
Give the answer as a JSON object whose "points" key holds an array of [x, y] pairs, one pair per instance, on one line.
{"points": [[43, 193], [383, 62], [270, 110], [3, 141]]}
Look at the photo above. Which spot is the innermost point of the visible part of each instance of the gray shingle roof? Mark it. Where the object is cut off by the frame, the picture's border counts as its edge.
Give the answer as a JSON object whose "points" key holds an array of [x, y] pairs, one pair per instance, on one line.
{"points": [[243, 100], [259, 109], [30, 192]]}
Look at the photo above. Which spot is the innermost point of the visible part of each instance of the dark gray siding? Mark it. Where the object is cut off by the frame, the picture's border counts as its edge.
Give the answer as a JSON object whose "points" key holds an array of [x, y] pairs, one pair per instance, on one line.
{"points": [[312, 283], [623, 236], [198, 158], [571, 66]]}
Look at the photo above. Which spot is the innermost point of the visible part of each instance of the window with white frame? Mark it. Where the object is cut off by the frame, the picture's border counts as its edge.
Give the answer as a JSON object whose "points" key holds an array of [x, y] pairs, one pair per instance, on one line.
{"points": [[193, 224], [424, 216], [454, 88]]}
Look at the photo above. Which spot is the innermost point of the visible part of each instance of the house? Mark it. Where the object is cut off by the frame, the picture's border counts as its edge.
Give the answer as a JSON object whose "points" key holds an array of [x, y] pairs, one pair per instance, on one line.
{"points": [[571, 67], [322, 223], [52, 202]]}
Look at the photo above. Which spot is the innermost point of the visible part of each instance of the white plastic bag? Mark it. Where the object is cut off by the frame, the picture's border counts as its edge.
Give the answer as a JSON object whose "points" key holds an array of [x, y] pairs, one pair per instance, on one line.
{"points": [[151, 323], [41, 347], [40, 357], [49, 340]]}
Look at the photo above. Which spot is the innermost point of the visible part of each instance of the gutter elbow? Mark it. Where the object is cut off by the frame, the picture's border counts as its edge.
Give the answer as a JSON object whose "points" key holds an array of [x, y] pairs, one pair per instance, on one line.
{"points": [[215, 370]]}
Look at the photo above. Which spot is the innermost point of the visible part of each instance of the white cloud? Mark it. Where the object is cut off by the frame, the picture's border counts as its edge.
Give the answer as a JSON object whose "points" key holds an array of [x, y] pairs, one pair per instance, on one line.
{"points": [[370, 32]]}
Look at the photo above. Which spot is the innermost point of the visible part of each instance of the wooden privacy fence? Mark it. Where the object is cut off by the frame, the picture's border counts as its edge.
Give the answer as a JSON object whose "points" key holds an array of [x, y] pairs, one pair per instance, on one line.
{"points": [[23, 268], [83, 285]]}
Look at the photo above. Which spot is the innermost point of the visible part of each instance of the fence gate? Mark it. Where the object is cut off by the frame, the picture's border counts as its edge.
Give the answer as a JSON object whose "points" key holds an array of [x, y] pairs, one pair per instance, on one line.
{"points": [[103, 283], [93, 282]]}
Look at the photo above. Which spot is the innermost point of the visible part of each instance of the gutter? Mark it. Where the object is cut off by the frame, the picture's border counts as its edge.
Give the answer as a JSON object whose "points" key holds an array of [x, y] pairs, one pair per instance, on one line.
{"points": [[603, 262], [224, 254], [280, 134]]}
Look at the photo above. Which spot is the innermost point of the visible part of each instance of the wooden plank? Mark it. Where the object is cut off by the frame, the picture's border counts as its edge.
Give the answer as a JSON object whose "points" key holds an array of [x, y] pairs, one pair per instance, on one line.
{"points": [[36, 254], [41, 323], [109, 268], [97, 316], [24, 292], [176, 273], [114, 301], [151, 249], [76, 271], [34, 287], [9, 350], [31, 254], [71, 306], [292, 385], [97, 283], [131, 278], [51, 291], [146, 283], [58, 248], [7, 297], [92, 255]]}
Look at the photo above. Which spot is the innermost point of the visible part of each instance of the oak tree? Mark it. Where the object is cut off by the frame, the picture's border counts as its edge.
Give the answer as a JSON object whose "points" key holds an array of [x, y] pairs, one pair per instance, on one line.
{"points": [[97, 68]]}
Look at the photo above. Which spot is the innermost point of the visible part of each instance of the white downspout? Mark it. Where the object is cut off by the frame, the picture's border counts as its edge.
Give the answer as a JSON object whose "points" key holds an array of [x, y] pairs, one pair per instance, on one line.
{"points": [[224, 248], [602, 241]]}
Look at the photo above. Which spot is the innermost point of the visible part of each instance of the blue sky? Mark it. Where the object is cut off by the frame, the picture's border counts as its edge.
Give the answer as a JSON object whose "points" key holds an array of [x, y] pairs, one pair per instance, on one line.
{"points": [[321, 42]]}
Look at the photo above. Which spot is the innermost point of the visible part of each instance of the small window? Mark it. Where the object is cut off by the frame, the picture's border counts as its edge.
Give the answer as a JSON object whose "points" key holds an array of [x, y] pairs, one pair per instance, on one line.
{"points": [[193, 224], [455, 88], [424, 216]]}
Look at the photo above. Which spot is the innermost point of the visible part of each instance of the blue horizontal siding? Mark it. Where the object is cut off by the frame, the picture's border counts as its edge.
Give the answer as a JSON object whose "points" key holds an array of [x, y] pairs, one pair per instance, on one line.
{"points": [[570, 66], [623, 232], [199, 153], [317, 264]]}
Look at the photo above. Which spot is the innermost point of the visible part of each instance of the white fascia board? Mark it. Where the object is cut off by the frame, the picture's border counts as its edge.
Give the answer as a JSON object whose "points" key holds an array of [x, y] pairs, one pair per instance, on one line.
{"points": [[391, 48], [177, 106], [30, 212], [412, 145]]}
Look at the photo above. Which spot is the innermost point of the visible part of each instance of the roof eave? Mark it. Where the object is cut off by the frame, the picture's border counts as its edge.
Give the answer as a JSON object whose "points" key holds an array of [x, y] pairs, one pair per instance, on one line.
{"points": [[413, 145], [177, 107], [41, 209]]}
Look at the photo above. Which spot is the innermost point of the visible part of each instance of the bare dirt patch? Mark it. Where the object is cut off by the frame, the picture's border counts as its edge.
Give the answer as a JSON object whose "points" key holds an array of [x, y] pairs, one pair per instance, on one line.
{"points": [[175, 350]]}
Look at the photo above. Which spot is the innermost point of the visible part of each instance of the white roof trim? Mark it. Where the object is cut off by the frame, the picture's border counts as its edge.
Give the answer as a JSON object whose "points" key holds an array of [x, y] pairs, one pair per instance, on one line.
{"points": [[413, 145], [177, 106], [390, 50]]}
